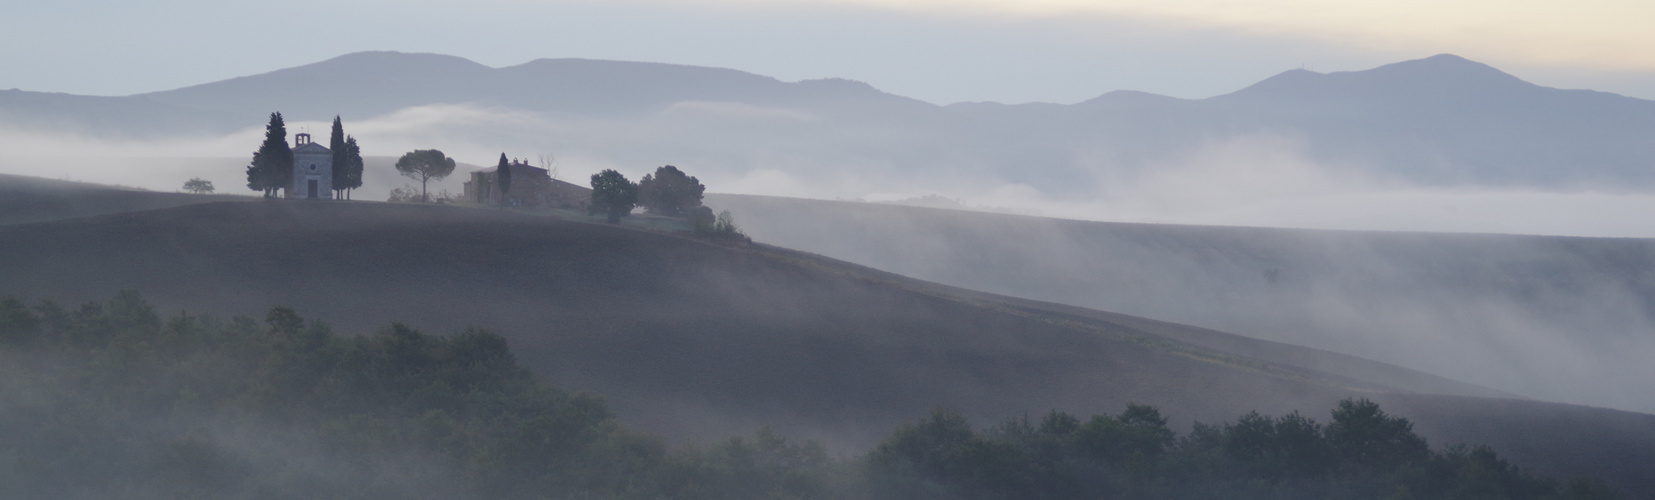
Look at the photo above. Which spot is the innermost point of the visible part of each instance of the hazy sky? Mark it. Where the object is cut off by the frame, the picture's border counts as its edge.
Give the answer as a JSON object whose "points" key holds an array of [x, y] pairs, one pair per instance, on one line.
{"points": [[937, 50]]}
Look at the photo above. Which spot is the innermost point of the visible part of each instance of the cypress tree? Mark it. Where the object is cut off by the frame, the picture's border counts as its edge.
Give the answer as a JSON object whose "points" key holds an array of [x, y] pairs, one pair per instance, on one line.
{"points": [[353, 165], [272, 166], [341, 159], [502, 174]]}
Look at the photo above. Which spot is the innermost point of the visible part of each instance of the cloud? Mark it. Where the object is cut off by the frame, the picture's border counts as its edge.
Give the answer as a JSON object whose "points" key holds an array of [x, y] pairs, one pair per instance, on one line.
{"points": [[29, 143], [1259, 180], [1600, 34], [1269, 181], [465, 132]]}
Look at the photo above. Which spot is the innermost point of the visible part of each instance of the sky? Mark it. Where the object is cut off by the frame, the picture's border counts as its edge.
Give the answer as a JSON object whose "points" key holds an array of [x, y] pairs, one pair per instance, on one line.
{"points": [[940, 51]]}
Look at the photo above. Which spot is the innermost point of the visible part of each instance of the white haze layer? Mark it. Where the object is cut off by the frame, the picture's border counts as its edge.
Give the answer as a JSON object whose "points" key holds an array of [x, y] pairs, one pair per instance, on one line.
{"points": [[744, 149], [1258, 180]]}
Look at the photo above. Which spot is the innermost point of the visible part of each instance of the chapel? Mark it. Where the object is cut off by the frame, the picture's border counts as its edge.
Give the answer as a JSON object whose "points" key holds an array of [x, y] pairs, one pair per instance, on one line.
{"points": [[312, 170]]}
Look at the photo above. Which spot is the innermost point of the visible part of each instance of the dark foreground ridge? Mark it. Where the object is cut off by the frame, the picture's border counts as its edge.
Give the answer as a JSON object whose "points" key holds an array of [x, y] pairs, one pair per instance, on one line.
{"points": [[693, 340], [109, 400]]}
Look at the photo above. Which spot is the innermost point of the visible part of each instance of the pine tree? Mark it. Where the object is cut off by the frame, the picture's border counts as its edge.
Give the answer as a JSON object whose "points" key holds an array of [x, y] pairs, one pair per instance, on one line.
{"points": [[272, 166], [341, 169], [502, 174], [425, 164]]}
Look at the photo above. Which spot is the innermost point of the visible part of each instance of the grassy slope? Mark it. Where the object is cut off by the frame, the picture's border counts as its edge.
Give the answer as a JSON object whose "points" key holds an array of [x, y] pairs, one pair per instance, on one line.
{"points": [[696, 340]]}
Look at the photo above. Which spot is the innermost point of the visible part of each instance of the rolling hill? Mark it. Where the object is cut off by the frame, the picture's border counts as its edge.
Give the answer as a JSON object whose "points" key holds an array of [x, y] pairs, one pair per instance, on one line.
{"points": [[33, 199], [1561, 319], [697, 340]]}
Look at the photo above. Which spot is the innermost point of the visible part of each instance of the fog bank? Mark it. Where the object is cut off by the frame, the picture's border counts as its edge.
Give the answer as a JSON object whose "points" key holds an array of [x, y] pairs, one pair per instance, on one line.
{"points": [[1266, 180], [1560, 319]]}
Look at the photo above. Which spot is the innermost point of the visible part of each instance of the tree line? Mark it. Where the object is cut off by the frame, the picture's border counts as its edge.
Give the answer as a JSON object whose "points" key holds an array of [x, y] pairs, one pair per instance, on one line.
{"points": [[667, 192], [112, 399], [1361, 453]]}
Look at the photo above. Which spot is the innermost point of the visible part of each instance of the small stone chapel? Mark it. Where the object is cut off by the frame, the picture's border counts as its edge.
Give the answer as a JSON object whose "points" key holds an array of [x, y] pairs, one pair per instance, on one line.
{"points": [[312, 170]]}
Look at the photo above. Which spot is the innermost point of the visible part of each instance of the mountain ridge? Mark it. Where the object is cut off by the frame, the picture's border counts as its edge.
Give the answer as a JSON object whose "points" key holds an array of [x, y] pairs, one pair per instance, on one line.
{"points": [[1442, 121], [553, 85]]}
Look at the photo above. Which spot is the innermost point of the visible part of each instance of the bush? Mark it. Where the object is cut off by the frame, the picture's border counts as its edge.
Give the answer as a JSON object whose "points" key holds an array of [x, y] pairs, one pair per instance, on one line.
{"points": [[406, 194]]}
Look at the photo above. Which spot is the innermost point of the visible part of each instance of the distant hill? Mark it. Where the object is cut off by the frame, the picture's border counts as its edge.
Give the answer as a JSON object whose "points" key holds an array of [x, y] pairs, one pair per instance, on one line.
{"points": [[109, 117], [370, 84], [697, 340], [1563, 319], [1439, 121]]}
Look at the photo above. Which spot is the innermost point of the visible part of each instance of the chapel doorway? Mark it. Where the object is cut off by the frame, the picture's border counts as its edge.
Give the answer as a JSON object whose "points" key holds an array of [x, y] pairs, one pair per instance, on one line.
{"points": [[312, 189]]}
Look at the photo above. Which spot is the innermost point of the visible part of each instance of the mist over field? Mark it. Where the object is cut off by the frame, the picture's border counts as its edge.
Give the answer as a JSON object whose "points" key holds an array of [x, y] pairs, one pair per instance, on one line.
{"points": [[1441, 144], [1264, 180], [1435, 234], [1562, 319]]}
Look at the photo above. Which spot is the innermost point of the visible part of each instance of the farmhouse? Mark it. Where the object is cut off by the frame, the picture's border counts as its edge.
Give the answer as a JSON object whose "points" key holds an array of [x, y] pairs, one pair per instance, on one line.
{"points": [[312, 170], [530, 187]]}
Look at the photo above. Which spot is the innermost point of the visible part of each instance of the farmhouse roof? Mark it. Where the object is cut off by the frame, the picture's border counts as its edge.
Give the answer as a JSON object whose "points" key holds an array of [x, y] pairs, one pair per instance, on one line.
{"points": [[518, 165]]}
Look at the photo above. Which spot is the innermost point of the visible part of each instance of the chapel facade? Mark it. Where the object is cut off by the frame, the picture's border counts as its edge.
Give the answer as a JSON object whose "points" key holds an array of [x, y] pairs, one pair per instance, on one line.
{"points": [[312, 170]]}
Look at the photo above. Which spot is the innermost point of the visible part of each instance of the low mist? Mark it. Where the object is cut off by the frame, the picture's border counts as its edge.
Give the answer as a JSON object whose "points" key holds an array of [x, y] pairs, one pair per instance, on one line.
{"points": [[1265, 180], [1542, 318], [1561, 319]]}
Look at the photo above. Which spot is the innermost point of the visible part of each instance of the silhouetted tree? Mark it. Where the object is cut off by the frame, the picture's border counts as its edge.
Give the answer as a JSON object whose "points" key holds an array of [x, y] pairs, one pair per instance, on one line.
{"points": [[702, 220], [341, 171], [283, 319], [1133, 440], [352, 166], [669, 192], [18, 325], [425, 164], [726, 224], [1274, 448], [927, 447], [1364, 435], [1480, 473], [548, 161], [612, 195], [722, 225], [272, 166], [502, 175], [198, 185]]}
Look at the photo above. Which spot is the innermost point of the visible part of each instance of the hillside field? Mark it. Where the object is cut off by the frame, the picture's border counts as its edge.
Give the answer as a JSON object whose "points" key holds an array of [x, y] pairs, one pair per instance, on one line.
{"points": [[700, 341]]}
